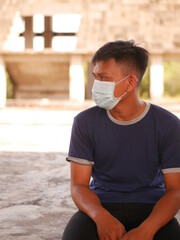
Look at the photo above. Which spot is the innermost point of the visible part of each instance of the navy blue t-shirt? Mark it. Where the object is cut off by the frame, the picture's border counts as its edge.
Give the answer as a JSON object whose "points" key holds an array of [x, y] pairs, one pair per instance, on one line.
{"points": [[128, 158]]}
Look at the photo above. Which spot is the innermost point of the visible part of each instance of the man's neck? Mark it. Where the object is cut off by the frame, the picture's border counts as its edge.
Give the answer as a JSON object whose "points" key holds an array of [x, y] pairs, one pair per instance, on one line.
{"points": [[129, 110]]}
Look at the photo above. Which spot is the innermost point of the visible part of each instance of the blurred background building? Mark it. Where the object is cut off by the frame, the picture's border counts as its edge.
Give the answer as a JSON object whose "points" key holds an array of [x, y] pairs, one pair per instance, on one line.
{"points": [[46, 46]]}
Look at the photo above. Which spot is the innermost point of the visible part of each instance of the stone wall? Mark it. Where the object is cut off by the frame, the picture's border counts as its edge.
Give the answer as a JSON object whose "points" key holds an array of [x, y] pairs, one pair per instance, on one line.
{"points": [[39, 75], [153, 23]]}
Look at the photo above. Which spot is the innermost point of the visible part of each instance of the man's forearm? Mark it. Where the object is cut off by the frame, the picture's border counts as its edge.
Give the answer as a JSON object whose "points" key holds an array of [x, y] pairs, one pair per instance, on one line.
{"points": [[165, 209], [108, 227], [87, 201]]}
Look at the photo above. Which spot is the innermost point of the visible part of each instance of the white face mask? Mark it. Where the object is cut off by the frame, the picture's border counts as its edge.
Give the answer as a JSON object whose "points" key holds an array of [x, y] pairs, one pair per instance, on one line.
{"points": [[103, 93]]}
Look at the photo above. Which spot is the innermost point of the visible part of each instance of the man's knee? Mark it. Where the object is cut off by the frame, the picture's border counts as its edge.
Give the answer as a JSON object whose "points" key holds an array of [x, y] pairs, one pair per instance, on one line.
{"points": [[80, 226], [169, 231]]}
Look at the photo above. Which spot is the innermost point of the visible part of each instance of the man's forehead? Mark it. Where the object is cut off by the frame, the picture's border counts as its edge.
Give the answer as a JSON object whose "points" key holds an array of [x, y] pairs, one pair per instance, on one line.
{"points": [[98, 70], [104, 67]]}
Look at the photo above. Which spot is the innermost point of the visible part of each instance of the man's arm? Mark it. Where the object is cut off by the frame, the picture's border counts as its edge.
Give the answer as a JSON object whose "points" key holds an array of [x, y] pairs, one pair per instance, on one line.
{"points": [[88, 202], [165, 209]]}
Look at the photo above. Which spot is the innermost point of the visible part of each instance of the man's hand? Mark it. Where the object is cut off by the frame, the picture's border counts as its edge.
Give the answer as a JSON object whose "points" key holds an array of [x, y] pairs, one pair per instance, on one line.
{"points": [[87, 201], [138, 234], [109, 227]]}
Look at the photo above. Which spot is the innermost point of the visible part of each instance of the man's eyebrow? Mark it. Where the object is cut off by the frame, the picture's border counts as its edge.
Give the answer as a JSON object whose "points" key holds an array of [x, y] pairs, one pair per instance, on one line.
{"points": [[100, 73]]}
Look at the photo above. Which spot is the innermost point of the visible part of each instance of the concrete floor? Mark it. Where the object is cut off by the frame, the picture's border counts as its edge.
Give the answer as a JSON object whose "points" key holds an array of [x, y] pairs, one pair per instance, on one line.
{"points": [[35, 202]]}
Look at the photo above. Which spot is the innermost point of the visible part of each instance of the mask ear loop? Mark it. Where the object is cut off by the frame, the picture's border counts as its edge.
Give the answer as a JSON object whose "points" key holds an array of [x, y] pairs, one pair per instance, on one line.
{"points": [[122, 79], [120, 82], [122, 95]]}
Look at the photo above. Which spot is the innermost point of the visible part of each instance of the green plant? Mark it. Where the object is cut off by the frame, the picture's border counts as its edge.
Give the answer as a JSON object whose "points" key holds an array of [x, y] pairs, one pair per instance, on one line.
{"points": [[10, 86], [172, 78], [144, 87]]}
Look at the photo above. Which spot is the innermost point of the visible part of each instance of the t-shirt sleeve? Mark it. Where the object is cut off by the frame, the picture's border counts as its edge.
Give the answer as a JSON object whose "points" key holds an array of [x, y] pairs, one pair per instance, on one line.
{"points": [[170, 161], [81, 147]]}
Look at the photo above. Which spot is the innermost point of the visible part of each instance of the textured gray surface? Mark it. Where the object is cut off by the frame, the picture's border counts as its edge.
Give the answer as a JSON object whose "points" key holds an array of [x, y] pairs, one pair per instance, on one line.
{"points": [[35, 200]]}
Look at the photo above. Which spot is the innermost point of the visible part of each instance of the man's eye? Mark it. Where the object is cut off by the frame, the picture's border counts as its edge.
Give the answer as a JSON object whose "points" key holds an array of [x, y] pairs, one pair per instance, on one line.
{"points": [[93, 76], [102, 78]]}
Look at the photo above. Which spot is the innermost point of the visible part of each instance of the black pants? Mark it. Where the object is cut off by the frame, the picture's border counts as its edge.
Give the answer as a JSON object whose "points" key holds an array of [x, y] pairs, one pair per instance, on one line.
{"points": [[81, 227]]}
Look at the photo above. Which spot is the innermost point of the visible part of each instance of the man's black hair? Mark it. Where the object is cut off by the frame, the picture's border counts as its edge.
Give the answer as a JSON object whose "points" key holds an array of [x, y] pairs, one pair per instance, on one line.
{"points": [[124, 52]]}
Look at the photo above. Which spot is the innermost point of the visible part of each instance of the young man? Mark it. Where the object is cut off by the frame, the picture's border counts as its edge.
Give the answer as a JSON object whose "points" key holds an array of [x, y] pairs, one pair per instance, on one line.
{"points": [[131, 149]]}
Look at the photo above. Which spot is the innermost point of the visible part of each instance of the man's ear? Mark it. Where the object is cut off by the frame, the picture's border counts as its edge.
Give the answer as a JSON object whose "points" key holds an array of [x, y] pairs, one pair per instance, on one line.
{"points": [[132, 82]]}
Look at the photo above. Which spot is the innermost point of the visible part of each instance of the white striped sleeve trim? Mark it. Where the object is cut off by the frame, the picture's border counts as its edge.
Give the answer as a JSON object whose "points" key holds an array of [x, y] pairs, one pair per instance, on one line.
{"points": [[170, 170], [80, 161]]}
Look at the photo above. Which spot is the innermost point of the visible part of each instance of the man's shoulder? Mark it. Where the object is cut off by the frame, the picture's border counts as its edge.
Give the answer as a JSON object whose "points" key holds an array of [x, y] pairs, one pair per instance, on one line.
{"points": [[163, 113], [90, 113], [164, 118]]}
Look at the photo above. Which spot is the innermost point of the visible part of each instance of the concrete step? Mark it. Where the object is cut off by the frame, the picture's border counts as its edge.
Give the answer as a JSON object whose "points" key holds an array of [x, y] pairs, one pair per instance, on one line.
{"points": [[49, 104]]}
